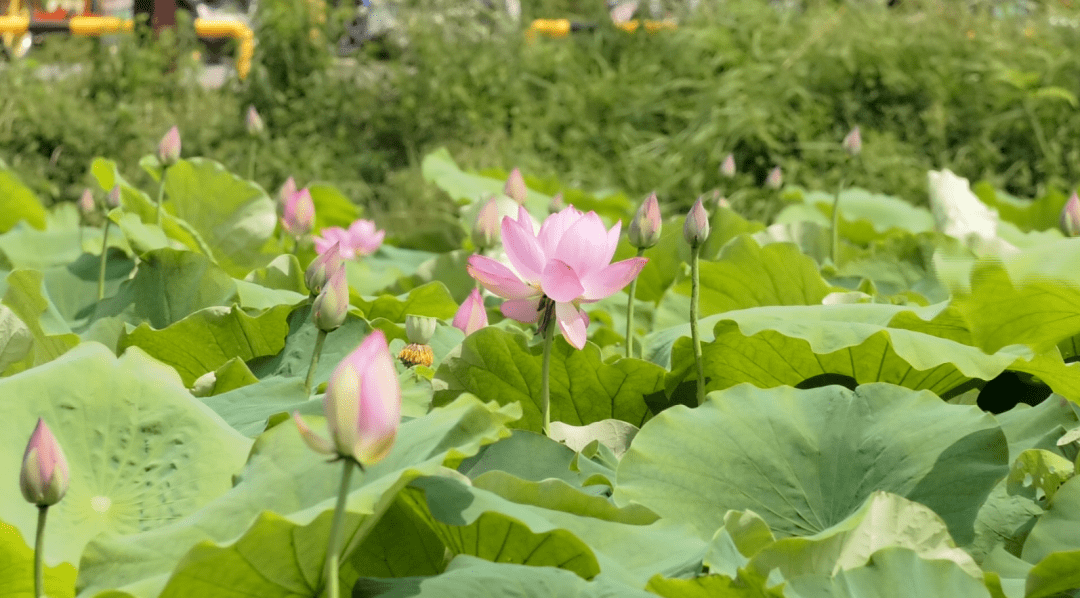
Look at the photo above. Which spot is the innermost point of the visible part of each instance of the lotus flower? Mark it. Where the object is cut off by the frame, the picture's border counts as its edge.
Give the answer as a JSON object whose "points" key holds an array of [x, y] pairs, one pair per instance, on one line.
{"points": [[254, 122], [362, 405], [557, 204], [853, 142], [696, 228], [330, 307], [645, 227], [113, 198], [169, 148], [86, 202], [515, 187], [775, 179], [44, 475], [322, 268], [287, 191], [1070, 216], [960, 214], [564, 265], [360, 239], [485, 232], [727, 169], [471, 316], [298, 214]]}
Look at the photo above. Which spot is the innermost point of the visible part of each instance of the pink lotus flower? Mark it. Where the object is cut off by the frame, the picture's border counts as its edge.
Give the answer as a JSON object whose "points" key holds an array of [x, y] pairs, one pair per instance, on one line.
{"points": [[852, 143], [775, 179], [1070, 216], [169, 148], [86, 203], [567, 263], [287, 191], [331, 305], [485, 232], [322, 269], [515, 187], [645, 227], [43, 478], [254, 122], [298, 214], [471, 316], [359, 240], [727, 169], [113, 199], [362, 405]]}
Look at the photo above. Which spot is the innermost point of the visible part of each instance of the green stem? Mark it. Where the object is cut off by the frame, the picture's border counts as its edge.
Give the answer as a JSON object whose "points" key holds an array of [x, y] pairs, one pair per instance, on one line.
{"points": [[161, 195], [545, 386], [104, 257], [695, 290], [314, 361], [836, 226], [333, 551], [251, 161], [630, 313], [39, 553]]}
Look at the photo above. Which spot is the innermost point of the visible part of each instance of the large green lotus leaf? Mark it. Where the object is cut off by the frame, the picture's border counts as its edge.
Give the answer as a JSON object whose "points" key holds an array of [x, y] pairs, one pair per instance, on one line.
{"points": [[27, 298], [431, 300], [332, 208], [205, 340], [557, 495], [377, 272], [141, 451], [248, 408], [232, 215], [169, 286], [1037, 427], [896, 264], [1058, 529], [1011, 573], [1041, 470], [448, 268], [748, 275], [893, 573], [499, 365], [474, 521], [1055, 575], [806, 459], [477, 578], [286, 477], [787, 345], [283, 273], [26, 247], [526, 455], [865, 216], [715, 586], [72, 288], [18, 202], [255, 296], [16, 341], [17, 569], [1039, 214], [884, 520]]}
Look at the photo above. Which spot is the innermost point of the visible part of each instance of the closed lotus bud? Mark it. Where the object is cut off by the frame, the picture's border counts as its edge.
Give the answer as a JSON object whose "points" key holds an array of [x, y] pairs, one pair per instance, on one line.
{"points": [[418, 329], [329, 309], [727, 169], [113, 199], [298, 216], [43, 478], [254, 122], [853, 142], [696, 229], [1070, 216], [557, 204], [287, 190], [775, 178], [169, 148], [86, 203], [322, 268], [644, 229], [471, 316], [485, 232], [515, 186]]}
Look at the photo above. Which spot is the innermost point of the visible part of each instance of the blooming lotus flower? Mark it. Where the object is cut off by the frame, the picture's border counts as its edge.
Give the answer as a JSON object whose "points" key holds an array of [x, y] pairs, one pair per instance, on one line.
{"points": [[775, 179], [43, 478], [853, 142], [254, 122], [515, 187], [696, 228], [645, 227], [359, 240], [298, 215], [485, 232], [86, 203], [362, 405], [471, 316], [727, 169], [169, 148], [330, 307], [322, 268], [554, 271], [1070, 216], [960, 214]]}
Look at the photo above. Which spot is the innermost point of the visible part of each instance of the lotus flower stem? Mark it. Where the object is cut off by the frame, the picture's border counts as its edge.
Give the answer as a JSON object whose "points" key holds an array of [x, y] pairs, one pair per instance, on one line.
{"points": [[836, 226], [39, 553], [630, 313], [333, 551], [319, 340], [161, 195], [251, 160], [545, 385], [695, 291], [104, 258]]}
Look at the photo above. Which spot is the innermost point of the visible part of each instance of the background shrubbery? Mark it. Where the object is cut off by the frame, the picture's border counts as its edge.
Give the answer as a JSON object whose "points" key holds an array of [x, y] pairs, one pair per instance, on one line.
{"points": [[931, 87]]}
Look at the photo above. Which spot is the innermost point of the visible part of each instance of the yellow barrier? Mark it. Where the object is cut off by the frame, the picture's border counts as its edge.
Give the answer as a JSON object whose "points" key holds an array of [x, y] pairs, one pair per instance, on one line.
{"points": [[236, 30], [557, 28], [14, 25], [99, 25]]}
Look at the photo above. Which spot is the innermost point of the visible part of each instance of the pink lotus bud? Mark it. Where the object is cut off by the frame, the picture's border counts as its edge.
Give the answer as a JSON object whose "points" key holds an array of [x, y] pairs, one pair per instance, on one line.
{"points": [[485, 232], [254, 122], [853, 142], [644, 229], [557, 204], [471, 316], [86, 203], [322, 268], [727, 169], [515, 186], [287, 190], [298, 215], [1070, 216], [362, 405], [696, 229], [44, 475], [775, 178], [330, 307], [113, 199], [169, 148], [722, 202]]}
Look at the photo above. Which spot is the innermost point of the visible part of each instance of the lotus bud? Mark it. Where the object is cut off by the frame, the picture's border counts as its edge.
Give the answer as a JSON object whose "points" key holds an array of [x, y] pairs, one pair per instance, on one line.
{"points": [[696, 229], [644, 229], [853, 142], [722, 202], [86, 203], [169, 148], [485, 232], [362, 405], [557, 204], [1070, 216], [727, 169], [329, 309], [254, 122], [775, 179], [471, 316], [322, 268], [287, 190], [298, 217], [44, 475], [113, 199], [515, 186]]}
